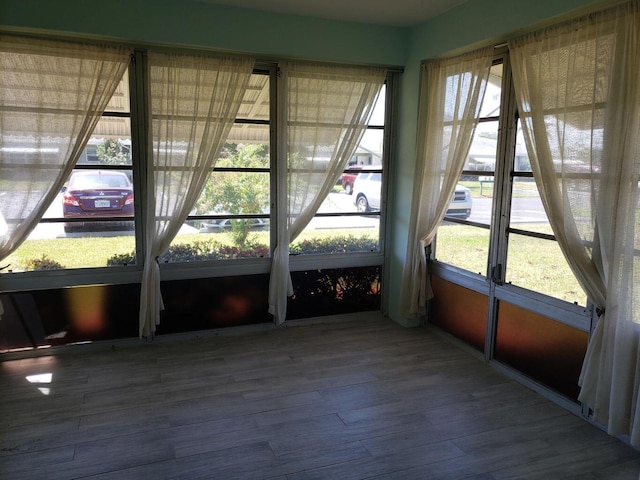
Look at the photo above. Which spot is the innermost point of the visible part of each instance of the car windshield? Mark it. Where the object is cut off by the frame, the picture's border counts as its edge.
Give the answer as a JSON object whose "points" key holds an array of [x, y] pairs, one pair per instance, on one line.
{"points": [[99, 181]]}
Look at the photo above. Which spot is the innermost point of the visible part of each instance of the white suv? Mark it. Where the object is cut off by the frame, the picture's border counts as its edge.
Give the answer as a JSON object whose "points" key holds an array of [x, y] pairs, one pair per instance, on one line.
{"points": [[366, 195]]}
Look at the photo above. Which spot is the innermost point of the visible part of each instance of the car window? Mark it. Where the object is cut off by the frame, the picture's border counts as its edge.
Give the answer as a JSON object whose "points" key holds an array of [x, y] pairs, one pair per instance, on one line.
{"points": [[98, 180]]}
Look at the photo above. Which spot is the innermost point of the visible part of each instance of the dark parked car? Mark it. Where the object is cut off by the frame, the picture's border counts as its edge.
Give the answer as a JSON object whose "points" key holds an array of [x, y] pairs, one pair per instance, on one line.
{"points": [[97, 193]]}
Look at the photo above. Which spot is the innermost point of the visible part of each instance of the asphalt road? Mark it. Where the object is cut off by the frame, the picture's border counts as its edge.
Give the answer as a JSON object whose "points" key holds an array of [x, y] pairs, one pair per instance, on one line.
{"points": [[525, 210]]}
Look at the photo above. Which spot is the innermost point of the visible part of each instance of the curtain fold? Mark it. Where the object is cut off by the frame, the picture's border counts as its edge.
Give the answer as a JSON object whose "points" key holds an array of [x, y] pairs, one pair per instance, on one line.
{"points": [[579, 101], [451, 96], [52, 94], [193, 105], [324, 112]]}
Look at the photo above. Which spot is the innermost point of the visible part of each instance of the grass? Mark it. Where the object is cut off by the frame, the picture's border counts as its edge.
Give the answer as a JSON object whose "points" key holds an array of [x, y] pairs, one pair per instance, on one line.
{"points": [[86, 252], [71, 252], [535, 264], [521, 188]]}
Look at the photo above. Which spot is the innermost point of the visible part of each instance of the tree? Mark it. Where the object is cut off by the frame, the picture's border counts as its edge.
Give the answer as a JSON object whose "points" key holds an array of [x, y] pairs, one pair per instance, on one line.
{"points": [[113, 152], [238, 193]]}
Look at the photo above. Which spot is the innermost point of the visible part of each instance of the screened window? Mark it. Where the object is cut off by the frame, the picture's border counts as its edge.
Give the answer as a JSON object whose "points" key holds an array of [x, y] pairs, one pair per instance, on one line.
{"points": [[232, 217], [91, 222], [95, 219], [349, 218], [496, 226]]}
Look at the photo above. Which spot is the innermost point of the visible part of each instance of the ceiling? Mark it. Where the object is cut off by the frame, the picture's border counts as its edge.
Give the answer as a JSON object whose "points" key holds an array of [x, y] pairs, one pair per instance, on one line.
{"points": [[399, 13]]}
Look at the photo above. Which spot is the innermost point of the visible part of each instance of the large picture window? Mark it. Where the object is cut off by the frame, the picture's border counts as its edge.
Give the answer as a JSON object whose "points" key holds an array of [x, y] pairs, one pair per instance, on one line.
{"points": [[95, 220]]}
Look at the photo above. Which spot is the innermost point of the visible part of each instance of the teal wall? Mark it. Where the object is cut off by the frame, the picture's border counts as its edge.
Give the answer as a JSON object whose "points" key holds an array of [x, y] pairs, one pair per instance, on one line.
{"points": [[196, 24], [192, 23]]}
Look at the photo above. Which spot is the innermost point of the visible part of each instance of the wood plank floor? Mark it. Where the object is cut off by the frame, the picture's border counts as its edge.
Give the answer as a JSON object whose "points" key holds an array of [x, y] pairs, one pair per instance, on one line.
{"points": [[362, 398]]}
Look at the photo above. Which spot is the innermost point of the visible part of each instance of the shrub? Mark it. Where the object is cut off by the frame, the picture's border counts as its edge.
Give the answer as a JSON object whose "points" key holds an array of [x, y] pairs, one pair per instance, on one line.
{"points": [[212, 250], [121, 259], [335, 244], [43, 263]]}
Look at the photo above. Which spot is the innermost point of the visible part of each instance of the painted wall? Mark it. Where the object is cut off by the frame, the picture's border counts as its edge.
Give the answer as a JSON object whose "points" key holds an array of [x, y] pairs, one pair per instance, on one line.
{"points": [[192, 23], [470, 25]]}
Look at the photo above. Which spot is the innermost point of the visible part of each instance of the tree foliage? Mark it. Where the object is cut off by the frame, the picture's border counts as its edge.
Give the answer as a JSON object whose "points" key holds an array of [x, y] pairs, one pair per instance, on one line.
{"points": [[113, 152], [238, 193]]}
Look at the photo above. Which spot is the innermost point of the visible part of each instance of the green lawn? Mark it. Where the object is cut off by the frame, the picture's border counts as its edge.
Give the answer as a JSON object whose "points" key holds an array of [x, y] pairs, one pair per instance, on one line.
{"points": [[70, 252], [535, 264], [94, 251]]}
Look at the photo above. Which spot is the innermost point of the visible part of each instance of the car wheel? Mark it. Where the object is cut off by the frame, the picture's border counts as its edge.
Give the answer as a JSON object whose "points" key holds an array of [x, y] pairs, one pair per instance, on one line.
{"points": [[348, 188], [362, 204]]}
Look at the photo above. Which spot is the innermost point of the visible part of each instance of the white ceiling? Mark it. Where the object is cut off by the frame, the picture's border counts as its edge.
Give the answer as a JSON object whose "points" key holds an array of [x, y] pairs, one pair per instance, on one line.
{"points": [[382, 12]]}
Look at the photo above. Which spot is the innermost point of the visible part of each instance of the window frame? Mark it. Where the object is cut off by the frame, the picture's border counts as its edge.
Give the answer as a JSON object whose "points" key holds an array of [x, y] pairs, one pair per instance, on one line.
{"points": [[492, 282], [138, 101]]}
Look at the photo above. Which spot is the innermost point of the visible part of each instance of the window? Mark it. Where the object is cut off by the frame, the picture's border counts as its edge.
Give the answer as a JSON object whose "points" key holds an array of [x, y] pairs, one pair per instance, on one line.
{"points": [[95, 219], [349, 220], [90, 222], [506, 236], [232, 217]]}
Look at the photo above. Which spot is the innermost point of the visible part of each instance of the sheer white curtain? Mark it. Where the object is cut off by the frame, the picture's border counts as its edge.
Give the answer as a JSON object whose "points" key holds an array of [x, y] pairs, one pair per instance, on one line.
{"points": [[579, 101], [325, 110], [451, 95], [194, 101], [52, 95]]}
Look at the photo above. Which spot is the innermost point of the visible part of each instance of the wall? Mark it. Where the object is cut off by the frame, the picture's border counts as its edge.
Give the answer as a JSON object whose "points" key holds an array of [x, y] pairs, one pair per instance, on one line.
{"points": [[192, 23], [470, 25]]}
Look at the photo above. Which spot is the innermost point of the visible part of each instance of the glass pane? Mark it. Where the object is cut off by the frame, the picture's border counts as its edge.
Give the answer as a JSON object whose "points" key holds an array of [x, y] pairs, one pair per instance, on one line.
{"points": [[220, 239], [539, 265], [338, 234], [463, 246], [368, 155], [226, 193], [236, 193], [120, 100], [245, 133], [255, 104], [522, 163], [92, 228], [527, 212], [49, 247], [491, 102], [110, 143], [484, 148], [377, 117], [354, 192]]}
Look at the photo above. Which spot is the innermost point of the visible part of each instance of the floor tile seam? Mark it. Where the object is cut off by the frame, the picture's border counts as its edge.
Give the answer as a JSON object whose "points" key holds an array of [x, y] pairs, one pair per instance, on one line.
{"points": [[328, 465]]}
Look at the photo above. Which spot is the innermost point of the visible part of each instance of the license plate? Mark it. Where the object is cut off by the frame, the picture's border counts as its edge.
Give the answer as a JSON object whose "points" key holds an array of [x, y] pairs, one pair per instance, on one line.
{"points": [[102, 203]]}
